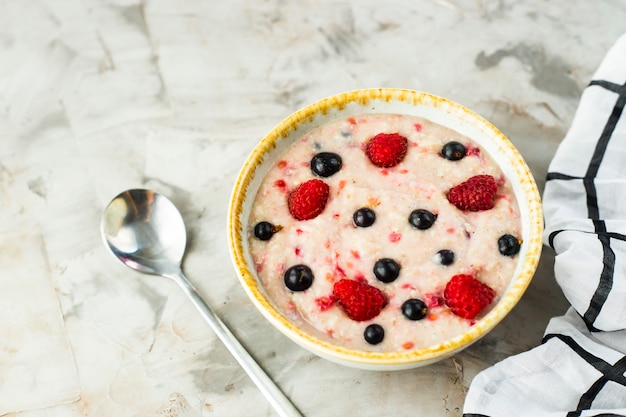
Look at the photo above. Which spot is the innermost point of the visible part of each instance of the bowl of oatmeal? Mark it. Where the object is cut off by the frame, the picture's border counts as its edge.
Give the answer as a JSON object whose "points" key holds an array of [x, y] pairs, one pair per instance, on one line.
{"points": [[385, 228]]}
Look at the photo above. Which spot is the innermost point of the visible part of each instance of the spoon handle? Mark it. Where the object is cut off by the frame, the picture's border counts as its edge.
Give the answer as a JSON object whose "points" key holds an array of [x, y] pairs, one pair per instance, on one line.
{"points": [[274, 395]]}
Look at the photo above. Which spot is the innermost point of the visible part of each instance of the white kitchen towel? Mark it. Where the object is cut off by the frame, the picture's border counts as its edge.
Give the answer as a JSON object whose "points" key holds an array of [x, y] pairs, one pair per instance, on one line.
{"points": [[580, 367], [37, 367]]}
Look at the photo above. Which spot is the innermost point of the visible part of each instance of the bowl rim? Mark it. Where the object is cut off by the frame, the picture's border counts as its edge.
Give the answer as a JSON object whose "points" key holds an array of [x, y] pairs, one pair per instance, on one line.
{"points": [[375, 359]]}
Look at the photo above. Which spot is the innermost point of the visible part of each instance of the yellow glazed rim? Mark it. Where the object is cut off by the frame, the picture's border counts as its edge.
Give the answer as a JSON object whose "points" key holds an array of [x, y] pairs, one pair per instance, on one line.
{"points": [[387, 100]]}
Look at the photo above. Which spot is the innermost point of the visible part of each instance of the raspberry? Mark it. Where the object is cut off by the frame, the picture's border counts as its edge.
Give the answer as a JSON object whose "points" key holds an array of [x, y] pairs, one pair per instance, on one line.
{"points": [[308, 200], [475, 194], [386, 150], [360, 300], [466, 296]]}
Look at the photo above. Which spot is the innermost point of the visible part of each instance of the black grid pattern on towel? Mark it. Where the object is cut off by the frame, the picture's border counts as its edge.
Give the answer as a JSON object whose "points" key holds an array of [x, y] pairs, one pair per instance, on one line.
{"points": [[615, 372], [605, 280], [610, 372]]}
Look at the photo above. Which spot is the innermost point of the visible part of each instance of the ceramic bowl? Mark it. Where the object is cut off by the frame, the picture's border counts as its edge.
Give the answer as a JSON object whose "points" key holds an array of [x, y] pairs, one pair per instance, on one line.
{"points": [[397, 101]]}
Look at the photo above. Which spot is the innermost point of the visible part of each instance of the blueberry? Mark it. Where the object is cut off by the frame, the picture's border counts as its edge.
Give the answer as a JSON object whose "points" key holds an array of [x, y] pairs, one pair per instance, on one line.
{"points": [[445, 257], [298, 277], [325, 164], [386, 270], [422, 219], [364, 217], [414, 309], [509, 245], [265, 230], [374, 334], [453, 151]]}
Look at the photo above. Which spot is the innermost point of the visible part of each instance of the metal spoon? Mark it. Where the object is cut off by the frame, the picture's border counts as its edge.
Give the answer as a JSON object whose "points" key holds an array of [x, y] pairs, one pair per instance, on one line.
{"points": [[145, 231]]}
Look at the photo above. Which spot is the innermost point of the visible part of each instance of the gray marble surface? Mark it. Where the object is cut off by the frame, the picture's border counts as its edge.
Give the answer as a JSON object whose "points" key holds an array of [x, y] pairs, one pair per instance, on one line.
{"points": [[97, 96]]}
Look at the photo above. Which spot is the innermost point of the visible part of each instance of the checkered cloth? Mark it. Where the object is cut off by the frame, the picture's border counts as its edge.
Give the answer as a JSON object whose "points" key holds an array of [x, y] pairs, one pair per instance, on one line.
{"points": [[580, 367]]}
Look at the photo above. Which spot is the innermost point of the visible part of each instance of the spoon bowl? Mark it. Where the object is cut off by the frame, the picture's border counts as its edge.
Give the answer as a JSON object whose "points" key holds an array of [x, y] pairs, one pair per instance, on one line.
{"points": [[145, 231]]}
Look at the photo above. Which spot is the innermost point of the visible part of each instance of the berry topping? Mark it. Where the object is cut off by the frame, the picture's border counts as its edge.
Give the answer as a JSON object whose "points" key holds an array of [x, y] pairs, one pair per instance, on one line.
{"points": [[325, 164], [374, 334], [308, 200], [386, 150], [509, 245], [364, 217], [422, 219], [298, 277], [386, 270], [265, 230], [453, 151], [475, 194], [466, 296], [445, 257], [414, 309], [325, 302], [360, 300]]}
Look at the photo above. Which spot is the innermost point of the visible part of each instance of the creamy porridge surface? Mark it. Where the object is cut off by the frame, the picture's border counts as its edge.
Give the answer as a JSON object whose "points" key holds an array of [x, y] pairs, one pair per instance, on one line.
{"points": [[333, 247]]}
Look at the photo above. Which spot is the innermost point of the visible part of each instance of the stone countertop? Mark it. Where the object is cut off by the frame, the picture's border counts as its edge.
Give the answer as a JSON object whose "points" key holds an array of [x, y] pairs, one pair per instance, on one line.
{"points": [[100, 96]]}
